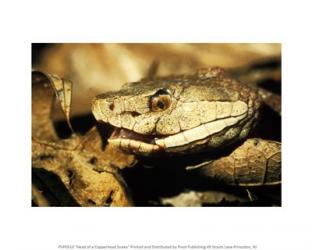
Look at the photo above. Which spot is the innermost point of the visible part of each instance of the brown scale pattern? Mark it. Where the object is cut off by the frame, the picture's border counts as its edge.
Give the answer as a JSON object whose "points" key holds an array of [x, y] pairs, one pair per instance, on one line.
{"points": [[256, 162]]}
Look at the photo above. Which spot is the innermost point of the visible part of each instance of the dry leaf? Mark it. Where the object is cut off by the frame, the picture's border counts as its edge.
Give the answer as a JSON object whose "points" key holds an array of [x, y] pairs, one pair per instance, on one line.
{"points": [[76, 170], [86, 170], [256, 162], [63, 92], [42, 101]]}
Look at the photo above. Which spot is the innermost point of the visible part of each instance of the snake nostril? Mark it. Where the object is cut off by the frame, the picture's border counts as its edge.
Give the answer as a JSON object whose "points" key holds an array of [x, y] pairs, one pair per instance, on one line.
{"points": [[111, 106]]}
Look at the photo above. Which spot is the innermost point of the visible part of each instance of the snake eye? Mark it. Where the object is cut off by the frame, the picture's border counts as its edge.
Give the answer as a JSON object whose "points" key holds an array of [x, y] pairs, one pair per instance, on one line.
{"points": [[160, 101]]}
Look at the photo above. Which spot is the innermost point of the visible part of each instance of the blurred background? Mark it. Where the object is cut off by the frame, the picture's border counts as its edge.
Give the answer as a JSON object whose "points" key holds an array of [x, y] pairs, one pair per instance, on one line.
{"points": [[98, 68]]}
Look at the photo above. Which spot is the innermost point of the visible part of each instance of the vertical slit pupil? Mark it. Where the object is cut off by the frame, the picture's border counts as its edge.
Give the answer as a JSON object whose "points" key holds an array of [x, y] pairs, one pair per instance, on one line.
{"points": [[160, 104]]}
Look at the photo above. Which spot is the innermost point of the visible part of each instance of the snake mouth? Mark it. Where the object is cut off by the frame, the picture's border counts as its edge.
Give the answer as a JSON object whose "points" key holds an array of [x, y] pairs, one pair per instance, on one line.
{"points": [[213, 134], [122, 133], [130, 140]]}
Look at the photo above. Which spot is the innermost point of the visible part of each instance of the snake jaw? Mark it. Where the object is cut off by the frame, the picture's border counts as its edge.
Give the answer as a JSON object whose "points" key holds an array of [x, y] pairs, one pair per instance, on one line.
{"points": [[199, 134], [204, 134], [132, 141]]}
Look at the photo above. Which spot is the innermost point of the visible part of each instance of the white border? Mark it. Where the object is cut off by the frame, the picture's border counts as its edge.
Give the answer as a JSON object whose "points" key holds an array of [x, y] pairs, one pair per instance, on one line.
{"points": [[24, 22]]}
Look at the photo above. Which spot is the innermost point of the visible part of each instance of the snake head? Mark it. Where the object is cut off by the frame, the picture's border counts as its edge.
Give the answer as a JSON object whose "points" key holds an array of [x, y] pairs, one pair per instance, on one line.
{"points": [[178, 115]]}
